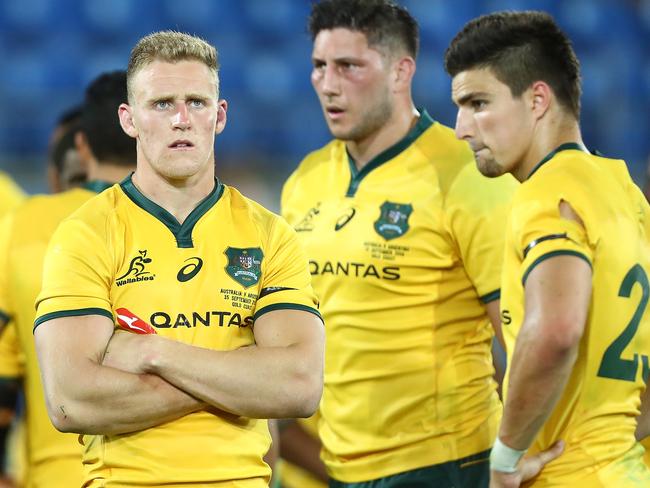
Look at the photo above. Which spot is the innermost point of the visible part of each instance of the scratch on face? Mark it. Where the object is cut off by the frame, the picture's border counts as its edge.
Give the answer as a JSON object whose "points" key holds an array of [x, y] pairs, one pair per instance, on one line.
{"points": [[65, 415]]}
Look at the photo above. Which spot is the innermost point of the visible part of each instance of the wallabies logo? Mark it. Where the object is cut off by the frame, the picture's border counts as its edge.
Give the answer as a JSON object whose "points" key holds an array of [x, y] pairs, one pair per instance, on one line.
{"points": [[393, 221], [244, 265]]}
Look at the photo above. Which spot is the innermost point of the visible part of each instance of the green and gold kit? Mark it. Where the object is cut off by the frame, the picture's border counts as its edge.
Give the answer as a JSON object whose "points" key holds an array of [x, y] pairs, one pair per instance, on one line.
{"points": [[404, 254], [204, 282]]}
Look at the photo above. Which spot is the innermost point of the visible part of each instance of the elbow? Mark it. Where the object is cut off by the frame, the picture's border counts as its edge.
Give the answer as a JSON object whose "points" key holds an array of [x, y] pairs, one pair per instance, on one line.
{"points": [[313, 390], [66, 417], [63, 421], [304, 395], [562, 339]]}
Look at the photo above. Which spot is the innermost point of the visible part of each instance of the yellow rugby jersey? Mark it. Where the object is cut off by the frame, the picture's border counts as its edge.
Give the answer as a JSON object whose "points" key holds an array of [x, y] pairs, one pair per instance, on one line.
{"points": [[10, 193], [204, 283], [596, 413], [53, 458], [403, 256]]}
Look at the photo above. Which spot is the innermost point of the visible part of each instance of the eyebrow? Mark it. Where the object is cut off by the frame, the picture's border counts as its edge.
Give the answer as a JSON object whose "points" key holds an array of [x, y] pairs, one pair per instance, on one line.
{"points": [[342, 59], [171, 97], [469, 96]]}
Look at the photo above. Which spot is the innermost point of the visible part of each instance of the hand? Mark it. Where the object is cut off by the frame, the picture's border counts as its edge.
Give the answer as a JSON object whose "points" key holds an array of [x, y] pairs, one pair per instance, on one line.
{"points": [[127, 351], [528, 468]]}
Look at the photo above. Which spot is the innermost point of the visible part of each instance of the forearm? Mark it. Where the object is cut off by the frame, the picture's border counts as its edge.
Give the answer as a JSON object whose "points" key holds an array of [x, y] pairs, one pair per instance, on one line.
{"points": [[104, 400], [256, 382], [538, 375], [298, 447]]}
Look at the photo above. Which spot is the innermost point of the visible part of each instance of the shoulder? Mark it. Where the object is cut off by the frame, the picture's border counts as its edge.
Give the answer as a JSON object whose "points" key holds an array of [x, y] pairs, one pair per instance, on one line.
{"points": [[243, 207], [317, 162]]}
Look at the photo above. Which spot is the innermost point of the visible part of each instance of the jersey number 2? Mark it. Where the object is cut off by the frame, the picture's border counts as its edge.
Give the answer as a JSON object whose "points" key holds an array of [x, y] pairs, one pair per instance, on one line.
{"points": [[612, 365]]}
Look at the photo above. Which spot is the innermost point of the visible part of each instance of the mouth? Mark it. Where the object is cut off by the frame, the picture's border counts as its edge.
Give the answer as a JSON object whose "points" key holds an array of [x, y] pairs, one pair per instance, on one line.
{"points": [[334, 112], [181, 145]]}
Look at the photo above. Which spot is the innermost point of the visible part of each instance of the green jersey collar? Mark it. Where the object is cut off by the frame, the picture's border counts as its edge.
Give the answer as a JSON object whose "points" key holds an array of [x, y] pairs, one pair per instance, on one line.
{"points": [[97, 186], [424, 122], [182, 233], [564, 147]]}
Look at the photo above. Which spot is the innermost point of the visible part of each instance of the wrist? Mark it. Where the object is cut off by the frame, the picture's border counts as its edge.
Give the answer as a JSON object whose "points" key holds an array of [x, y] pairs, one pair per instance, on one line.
{"points": [[152, 354], [504, 458]]}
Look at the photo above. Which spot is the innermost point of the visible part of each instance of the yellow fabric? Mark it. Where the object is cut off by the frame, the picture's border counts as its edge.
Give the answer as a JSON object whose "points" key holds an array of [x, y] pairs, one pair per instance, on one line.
{"points": [[11, 195], [24, 237], [596, 414], [408, 374], [201, 283], [292, 476], [646, 444]]}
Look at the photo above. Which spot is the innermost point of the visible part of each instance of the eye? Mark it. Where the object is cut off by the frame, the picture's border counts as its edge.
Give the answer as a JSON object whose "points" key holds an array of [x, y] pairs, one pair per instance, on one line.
{"points": [[197, 103], [347, 65], [478, 104], [162, 104]]}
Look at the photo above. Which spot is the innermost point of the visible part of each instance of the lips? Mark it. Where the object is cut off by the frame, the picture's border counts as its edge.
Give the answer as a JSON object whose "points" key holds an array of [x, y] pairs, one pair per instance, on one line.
{"points": [[181, 144]]}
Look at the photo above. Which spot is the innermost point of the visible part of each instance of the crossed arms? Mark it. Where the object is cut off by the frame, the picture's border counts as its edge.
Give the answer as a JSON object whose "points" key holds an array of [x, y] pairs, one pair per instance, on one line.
{"points": [[98, 382]]}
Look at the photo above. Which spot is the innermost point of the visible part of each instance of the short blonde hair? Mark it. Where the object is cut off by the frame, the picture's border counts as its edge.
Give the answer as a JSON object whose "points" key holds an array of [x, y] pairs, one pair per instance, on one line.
{"points": [[170, 46]]}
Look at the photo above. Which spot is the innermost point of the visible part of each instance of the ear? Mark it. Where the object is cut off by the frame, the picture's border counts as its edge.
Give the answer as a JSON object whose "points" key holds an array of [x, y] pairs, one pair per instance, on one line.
{"points": [[222, 108], [404, 72], [86, 156], [125, 113], [541, 97]]}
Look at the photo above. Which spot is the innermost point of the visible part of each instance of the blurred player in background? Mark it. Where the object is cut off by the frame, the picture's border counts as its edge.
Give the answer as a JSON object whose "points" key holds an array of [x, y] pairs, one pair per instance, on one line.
{"points": [[214, 291], [405, 243], [65, 169], [107, 155], [575, 283]]}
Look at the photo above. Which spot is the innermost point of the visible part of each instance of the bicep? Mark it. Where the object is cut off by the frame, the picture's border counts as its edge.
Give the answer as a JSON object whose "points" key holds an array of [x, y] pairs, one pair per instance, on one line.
{"points": [[284, 328], [558, 295], [64, 344]]}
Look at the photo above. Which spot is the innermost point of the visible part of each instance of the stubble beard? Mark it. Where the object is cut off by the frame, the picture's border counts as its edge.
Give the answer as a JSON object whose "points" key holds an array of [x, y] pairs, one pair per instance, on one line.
{"points": [[489, 167], [370, 122]]}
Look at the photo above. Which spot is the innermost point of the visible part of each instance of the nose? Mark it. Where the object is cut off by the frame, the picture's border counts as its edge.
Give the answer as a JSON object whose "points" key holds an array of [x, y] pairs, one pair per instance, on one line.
{"points": [[181, 117], [464, 124], [330, 83]]}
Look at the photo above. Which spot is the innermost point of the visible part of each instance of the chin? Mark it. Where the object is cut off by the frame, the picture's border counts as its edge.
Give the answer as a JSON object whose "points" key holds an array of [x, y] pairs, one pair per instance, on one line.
{"points": [[490, 168]]}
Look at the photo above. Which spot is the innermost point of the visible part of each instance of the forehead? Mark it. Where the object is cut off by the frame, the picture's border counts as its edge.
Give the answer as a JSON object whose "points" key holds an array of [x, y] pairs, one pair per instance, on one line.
{"points": [[165, 78], [476, 81], [342, 42]]}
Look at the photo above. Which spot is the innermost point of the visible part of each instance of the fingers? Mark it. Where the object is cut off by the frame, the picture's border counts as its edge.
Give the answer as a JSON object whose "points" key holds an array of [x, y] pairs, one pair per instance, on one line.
{"points": [[530, 466]]}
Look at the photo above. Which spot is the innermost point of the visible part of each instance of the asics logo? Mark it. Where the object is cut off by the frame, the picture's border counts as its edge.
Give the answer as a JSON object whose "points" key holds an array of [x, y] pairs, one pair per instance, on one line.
{"points": [[190, 270]]}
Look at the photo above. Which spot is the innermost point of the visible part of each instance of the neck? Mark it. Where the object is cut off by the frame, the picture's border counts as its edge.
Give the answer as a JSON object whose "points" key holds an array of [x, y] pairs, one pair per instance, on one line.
{"points": [[548, 136], [109, 172], [394, 130], [179, 196]]}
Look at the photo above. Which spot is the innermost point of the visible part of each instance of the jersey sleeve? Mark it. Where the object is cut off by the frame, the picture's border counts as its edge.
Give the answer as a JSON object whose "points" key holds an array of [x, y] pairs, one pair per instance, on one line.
{"points": [[12, 360], [76, 273], [539, 231], [286, 281], [478, 209], [6, 224]]}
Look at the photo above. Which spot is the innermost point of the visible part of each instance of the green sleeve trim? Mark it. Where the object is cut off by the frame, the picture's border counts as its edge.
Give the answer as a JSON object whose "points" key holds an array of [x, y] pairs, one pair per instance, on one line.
{"points": [[490, 297], [5, 317], [286, 306], [551, 254], [72, 313]]}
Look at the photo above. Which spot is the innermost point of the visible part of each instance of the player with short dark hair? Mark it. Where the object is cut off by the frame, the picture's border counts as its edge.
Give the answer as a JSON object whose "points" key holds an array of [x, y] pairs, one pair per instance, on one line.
{"points": [[405, 244], [53, 458], [575, 281]]}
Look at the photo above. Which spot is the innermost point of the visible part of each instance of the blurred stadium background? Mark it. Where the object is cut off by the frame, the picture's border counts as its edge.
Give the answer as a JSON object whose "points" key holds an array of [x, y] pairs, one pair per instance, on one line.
{"points": [[52, 48]]}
